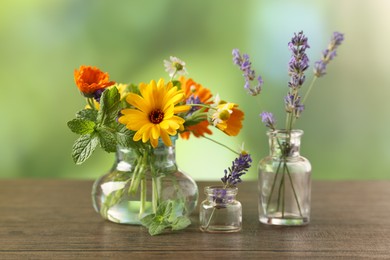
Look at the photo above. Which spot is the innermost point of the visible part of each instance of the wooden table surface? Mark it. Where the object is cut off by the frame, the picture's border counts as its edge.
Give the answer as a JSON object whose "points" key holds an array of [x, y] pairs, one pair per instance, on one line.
{"points": [[54, 219]]}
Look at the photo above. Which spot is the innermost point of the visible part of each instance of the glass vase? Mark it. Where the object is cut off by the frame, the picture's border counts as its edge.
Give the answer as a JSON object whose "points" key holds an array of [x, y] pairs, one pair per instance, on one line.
{"points": [[284, 181], [220, 212], [140, 179]]}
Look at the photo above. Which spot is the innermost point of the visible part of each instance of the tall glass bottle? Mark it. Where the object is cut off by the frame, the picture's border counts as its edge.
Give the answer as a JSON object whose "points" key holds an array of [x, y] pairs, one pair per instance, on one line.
{"points": [[284, 181]]}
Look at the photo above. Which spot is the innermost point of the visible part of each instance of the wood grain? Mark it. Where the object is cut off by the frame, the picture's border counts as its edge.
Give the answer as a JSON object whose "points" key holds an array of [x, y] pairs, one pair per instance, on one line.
{"points": [[54, 219]]}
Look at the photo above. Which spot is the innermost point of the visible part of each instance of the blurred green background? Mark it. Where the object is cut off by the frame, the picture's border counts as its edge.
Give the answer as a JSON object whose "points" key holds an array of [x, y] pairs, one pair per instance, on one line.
{"points": [[346, 120]]}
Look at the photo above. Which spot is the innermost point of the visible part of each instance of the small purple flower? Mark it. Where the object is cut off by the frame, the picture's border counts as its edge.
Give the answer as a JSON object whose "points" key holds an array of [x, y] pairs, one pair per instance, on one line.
{"points": [[268, 119], [249, 75], [193, 100], [319, 68], [239, 167], [328, 54], [98, 94], [293, 105]]}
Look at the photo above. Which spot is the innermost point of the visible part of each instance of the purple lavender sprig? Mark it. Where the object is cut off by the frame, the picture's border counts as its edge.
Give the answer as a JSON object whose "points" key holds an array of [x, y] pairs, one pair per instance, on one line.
{"points": [[297, 66], [239, 167], [268, 119], [328, 54], [245, 66]]}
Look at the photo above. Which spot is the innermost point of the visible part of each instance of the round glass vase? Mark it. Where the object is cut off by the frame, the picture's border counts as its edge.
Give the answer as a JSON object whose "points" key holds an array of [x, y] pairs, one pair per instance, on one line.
{"points": [[220, 212], [140, 179], [284, 181]]}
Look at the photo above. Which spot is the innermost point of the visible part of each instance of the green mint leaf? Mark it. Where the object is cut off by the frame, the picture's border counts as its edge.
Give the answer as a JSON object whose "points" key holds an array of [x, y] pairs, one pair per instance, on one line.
{"points": [[109, 106], [157, 228], [181, 223], [164, 209], [111, 200], [177, 209], [147, 220], [81, 126], [84, 147], [88, 114], [125, 137], [107, 140]]}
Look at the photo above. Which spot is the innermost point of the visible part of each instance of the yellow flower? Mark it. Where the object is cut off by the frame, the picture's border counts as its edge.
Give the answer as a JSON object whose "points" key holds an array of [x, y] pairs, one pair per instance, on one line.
{"points": [[155, 112]]}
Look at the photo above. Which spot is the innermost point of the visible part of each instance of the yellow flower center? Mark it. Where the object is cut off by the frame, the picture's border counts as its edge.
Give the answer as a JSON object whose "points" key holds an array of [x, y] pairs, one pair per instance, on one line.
{"points": [[178, 66], [224, 115], [156, 116]]}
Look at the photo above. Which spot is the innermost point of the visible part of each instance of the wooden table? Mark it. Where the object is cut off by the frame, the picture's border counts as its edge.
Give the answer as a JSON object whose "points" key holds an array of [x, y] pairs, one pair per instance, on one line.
{"points": [[54, 219]]}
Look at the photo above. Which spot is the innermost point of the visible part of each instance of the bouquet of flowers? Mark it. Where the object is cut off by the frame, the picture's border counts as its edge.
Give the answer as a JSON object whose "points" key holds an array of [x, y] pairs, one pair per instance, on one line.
{"points": [[288, 169], [143, 118]]}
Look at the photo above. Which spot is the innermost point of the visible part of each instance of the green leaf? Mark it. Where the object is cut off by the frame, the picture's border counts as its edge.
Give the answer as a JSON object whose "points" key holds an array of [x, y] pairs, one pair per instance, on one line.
{"points": [[81, 126], [147, 220], [165, 217], [125, 137], [181, 223], [84, 147], [107, 140], [109, 106], [156, 228], [164, 209], [111, 200], [177, 84], [88, 114]]}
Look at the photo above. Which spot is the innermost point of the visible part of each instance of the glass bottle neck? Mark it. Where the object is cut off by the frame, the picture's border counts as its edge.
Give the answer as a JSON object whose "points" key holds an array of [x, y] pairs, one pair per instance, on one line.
{"points": [[162, 157], [220, 195], [285, 144]]}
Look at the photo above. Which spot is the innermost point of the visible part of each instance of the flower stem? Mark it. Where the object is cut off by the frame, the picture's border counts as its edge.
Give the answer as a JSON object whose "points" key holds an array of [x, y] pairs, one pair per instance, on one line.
{"points": [[280, 189], [154, 194], [142, 197], [273, 186], [91, 103], [221, 144], [309, 89], [295, 193], [211, 216]]}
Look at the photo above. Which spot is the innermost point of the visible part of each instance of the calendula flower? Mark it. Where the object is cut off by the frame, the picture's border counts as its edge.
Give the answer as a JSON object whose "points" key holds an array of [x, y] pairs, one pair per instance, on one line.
{"points": [[90, 80], [195, 94], [227, 117], [154, 113], [175, 66]]}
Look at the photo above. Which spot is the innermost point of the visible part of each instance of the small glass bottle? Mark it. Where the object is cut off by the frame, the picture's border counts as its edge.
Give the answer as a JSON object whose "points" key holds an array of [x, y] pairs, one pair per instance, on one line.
{"points": [[220, 212]]}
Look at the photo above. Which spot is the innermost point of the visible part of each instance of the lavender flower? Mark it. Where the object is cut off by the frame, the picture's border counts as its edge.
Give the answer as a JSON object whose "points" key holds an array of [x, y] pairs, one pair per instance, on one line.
{"points": [[328, 54], [299, 61], [193, 100], [249, 75], [98, 94], [297, 66], [239, 167], [293, 104], [268, 119]]}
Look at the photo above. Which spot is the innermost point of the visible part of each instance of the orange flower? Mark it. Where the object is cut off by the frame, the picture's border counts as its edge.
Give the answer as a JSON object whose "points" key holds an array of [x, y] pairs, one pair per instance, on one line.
{"points": [[227, 117], [197, 130], [234, 123], [90, 79], [191, 88]]}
